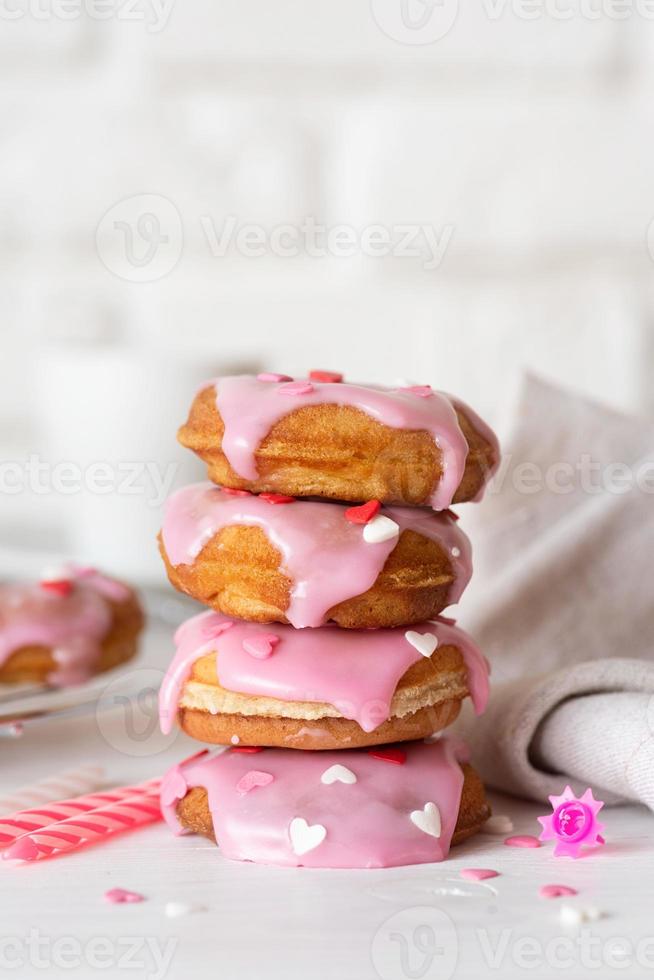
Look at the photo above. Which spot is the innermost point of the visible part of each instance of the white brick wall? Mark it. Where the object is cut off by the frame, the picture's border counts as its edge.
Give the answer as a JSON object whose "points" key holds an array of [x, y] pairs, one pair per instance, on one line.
{"points": [[530, 139]]}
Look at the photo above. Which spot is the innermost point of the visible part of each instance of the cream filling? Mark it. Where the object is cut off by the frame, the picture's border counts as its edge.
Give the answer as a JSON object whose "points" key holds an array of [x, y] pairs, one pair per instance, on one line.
{"points": [[216, 700]]}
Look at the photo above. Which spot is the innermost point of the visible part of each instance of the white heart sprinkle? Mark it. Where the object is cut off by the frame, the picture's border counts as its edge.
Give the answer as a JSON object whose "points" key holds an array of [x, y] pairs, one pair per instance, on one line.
{"points": [[425, 643], [428, 819], [379, 529], [337, 773], [174, 910], [305, 837], [500, 824]]}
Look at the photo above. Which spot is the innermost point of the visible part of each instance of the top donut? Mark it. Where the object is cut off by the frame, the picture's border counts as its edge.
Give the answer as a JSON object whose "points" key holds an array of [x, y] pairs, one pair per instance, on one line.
{"points": [[321, 437]]}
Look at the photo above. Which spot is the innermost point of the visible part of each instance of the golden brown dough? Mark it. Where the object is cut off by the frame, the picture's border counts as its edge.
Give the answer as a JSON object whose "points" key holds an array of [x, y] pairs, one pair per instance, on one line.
{"points": [[337, 452], [426, 700], [239, 573]]}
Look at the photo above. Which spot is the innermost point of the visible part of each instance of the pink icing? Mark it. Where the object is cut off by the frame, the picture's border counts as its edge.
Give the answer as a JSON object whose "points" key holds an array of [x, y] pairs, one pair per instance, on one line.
{"points": [[73, 626], [556, 891], [324, 554], [478, 874], [356, 671], [250, 407], [120, 895], [367, 824], [522, 840]]}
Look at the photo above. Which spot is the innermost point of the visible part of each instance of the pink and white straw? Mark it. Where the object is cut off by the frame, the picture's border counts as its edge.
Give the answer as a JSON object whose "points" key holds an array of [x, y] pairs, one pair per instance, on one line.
{"points": [[66, 835], [63, 785]]}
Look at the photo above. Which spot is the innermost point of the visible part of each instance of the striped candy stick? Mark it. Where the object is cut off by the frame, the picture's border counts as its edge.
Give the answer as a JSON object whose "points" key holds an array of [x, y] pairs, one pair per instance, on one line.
{"points": [[66, 835], [26, 821], [63, 785]]}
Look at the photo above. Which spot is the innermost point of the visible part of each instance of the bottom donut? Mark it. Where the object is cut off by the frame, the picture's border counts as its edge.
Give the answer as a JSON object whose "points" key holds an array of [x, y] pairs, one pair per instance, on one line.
{"points": [[356, 808]]}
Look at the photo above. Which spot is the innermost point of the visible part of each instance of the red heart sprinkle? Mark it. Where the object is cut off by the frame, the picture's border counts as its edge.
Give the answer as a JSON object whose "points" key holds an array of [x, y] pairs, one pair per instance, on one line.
{"points": [[450, 513], [246, 749], [277, 498], [233, 492], [364, 513], [327, 377], [60, 586], [396, 756]]}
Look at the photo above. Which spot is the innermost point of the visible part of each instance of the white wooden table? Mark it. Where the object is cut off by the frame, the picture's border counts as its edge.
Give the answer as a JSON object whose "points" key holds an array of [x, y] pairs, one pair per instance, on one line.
{"points": [[297, 924]]}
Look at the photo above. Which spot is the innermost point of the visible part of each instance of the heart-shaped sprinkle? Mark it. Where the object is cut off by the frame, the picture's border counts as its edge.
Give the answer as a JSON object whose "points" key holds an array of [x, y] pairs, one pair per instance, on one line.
{"points": [[522, 840], [62, 587], [271, 376], [428, 819], [556, 891], [296, 388], [337, 773], [422, 391], [499, 824], [364, 513], [305, 837], [246, 749], [174, 787], [261, 645], [380, 529], [120, 895], [478, 874], [396, 756], [326, 377], [251, 779], [424, 643], [213, 630], [450, 513], [233, 492], [276, 498]]}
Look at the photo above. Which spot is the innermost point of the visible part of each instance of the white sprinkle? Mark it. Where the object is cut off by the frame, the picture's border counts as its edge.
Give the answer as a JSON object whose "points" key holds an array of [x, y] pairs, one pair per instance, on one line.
{"points": [[424, 643], [428, 819], [380, 529], [305, 837], [235, 740], [574, 915], [500, 824], [339, 774], [174, 910], [456, 552]]}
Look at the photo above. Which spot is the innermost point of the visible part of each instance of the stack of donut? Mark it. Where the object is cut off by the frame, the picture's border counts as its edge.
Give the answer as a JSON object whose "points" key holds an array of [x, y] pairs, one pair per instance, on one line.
{"points": [[326, 552]]}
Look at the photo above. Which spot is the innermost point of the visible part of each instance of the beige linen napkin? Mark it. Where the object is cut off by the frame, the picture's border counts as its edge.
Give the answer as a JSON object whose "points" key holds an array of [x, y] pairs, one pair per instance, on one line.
{"points": [[562, 602]]}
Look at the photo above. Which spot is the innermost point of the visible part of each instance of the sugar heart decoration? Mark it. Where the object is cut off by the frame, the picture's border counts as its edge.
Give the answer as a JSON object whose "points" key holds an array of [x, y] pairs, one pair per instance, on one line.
{"points": [[296, 388], [424, 643], [428, 819], [364, 513], [396, 756], [556, 891], [277, 498], [174, 787], [422, 391], [120, 895], [271, 376], [233, 492], [261, 645], [246, 749], [379, 529], [252, 779], [62, 587], [305, 837], [327, 377], [339, 774]]}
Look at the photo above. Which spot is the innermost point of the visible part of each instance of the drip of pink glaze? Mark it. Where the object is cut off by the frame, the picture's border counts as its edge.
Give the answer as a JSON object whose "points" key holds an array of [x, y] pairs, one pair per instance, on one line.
{"points": [[556, 891], [367, 823], [249, 409], [522, 840], [356, 671], [173, 786], [478, 874], [323, 553], [72, 626], [117, 896], [24, 849]]}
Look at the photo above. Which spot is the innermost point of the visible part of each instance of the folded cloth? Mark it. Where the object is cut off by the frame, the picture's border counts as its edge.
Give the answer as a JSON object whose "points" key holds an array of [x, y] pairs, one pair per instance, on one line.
{"points": [[562, 602]]}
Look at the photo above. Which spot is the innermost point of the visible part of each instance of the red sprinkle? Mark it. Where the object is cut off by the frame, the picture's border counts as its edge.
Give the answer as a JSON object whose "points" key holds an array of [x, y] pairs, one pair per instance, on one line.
{"points": [[363, 513], [450, 513], [522, 840], [327, 377], [277, 498], [246, 749], [233, 492], [396, 756], [60, 586]]}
